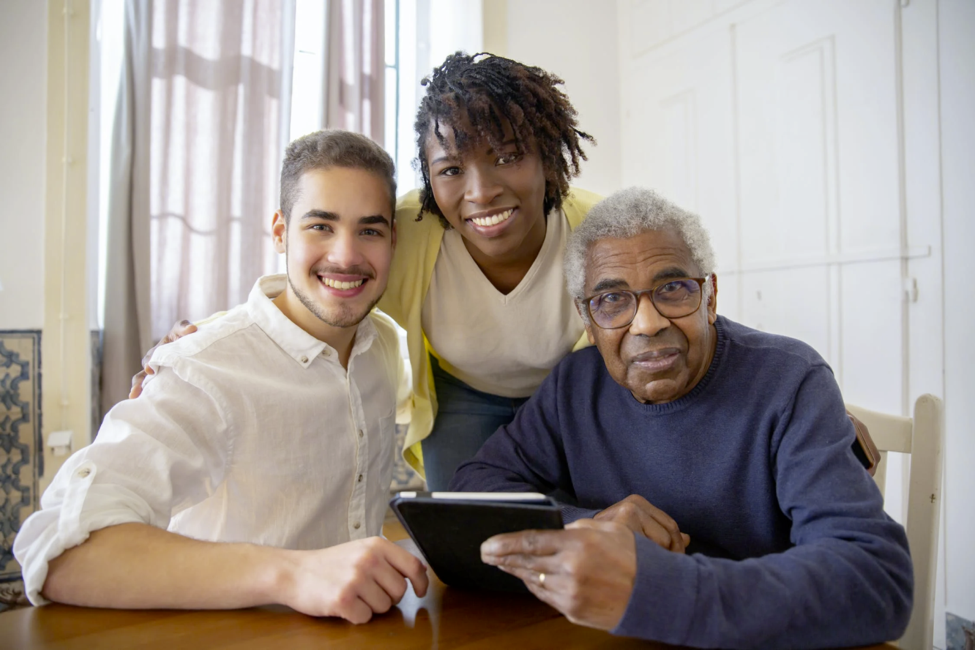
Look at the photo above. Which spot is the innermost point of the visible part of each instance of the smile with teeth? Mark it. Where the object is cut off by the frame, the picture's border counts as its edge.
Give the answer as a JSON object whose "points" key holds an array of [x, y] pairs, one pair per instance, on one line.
{"points": [[342, 286], [493, 220]]}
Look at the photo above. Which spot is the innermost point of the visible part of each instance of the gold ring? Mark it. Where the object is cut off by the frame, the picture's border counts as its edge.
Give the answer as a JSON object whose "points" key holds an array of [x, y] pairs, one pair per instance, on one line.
{"points": [[541, 579]]}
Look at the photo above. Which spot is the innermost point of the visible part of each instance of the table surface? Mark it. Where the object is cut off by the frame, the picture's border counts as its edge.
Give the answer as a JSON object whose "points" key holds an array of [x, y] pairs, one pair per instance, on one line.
{"points": [[444, 618]]}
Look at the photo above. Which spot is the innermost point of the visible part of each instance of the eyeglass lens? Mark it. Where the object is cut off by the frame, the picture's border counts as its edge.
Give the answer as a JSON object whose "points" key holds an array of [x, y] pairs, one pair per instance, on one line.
{"points": [[673, 299]]}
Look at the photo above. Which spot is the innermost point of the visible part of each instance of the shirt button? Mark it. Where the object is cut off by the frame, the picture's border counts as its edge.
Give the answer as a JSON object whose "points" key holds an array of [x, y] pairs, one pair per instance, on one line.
{"points": [[84, 472], [326, 352], [361, 433], [304, 359], [356, 525], [360, 478]]}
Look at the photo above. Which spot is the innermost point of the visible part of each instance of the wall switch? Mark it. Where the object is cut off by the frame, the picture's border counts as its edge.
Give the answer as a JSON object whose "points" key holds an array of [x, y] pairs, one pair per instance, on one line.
{"points": [[60, 442]]}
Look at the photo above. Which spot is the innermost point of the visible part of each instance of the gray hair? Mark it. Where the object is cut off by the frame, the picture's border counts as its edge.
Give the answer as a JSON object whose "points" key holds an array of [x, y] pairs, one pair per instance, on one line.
{"points": [[627, 213]]}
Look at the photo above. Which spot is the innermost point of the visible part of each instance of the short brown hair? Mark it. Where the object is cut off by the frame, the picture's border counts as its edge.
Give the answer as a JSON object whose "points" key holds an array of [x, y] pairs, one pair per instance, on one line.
{"points": [[333, 148]]}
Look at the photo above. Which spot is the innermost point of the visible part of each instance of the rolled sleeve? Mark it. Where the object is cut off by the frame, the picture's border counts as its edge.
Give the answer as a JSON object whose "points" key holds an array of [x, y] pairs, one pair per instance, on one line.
{"points": [[148, 461], [72, 508]]}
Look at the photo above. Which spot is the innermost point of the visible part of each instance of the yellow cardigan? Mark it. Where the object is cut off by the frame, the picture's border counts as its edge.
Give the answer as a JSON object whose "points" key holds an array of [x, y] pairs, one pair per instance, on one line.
{"points": [[417, 247]]}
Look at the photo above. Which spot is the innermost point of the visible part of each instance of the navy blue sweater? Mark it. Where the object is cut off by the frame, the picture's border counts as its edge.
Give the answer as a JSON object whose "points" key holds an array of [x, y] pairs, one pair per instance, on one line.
{"points": [[790, 547]]}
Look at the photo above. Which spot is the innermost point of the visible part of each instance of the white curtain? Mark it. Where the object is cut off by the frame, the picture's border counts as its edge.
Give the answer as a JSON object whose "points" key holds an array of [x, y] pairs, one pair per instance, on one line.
{"points": [[356, 67], [221, 88], [201, 124]]}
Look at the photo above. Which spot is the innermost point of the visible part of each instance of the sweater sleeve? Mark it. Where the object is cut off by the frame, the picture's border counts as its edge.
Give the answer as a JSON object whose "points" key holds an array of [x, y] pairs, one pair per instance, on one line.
{"points": [[847, 580], [526, 455]]}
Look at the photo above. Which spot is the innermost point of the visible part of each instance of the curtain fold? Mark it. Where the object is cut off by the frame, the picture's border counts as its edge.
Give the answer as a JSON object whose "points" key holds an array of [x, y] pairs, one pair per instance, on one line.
{"points": [[356, 67], [127, 301], [220, 97], [200, 127]]}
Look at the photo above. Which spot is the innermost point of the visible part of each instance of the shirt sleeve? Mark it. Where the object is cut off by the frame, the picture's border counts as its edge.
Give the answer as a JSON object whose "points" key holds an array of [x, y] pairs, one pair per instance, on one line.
{"points": [[526, 455], [847, 580], [153, 457]]}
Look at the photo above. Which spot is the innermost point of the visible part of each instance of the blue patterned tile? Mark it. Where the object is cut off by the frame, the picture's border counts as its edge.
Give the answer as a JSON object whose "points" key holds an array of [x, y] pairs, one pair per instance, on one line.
{"points": [[21, 460], [404, 478]]}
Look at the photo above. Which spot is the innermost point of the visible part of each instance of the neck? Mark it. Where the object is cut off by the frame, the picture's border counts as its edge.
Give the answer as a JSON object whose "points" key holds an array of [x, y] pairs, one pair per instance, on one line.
{"points": [[506, 271], [340, 338]]}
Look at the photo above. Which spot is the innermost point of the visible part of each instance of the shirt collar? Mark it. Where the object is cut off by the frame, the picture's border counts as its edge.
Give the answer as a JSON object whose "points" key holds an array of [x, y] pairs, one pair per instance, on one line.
{"points": [[296, 342]]}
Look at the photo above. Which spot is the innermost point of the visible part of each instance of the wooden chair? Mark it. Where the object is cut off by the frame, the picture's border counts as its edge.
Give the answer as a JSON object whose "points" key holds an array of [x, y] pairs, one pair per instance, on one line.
{"points": [[923, 438]]}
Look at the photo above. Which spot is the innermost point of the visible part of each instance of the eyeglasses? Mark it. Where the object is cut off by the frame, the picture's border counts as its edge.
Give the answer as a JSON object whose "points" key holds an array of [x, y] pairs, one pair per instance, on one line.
{"points": [[672, 299]]}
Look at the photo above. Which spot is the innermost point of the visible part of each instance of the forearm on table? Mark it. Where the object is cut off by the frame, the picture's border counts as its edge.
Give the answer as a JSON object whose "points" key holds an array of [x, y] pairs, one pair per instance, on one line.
{"points": [[137, 566]]}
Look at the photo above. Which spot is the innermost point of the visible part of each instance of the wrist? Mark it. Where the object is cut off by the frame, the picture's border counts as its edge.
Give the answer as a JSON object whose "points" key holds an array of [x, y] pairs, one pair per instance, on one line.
{"points": [[274, 575]]}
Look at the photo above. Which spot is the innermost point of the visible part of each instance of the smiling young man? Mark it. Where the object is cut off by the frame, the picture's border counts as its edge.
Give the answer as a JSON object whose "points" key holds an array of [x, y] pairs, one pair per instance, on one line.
{"points": [[727, 507], [255, 467]]}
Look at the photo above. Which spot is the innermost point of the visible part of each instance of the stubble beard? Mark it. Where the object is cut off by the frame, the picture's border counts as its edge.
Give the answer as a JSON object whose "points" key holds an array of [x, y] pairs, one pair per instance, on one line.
{"points": [[342, 316]]}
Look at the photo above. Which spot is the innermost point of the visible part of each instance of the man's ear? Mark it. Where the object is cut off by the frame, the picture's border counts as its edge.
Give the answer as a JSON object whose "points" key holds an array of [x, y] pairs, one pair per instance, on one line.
{"points": [[713, 300], [587, 324], [279, 232]]}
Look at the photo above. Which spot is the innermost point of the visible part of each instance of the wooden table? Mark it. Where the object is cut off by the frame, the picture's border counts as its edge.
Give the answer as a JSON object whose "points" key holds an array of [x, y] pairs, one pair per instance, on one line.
{"points": [[444, 618]]}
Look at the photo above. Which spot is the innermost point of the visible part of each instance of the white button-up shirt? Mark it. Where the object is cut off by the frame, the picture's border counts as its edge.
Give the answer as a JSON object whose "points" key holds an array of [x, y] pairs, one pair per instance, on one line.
{"points": [[249, 431]]}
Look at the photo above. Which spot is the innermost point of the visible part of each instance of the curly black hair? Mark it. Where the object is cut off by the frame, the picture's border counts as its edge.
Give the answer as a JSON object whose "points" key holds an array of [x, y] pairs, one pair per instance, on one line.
{"points": [[491, 90]]}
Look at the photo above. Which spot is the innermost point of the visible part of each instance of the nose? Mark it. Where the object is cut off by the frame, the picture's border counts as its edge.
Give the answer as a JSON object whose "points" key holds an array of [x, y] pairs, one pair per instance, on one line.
{"points": [[344, 252], [482, 185], [648, 320]]}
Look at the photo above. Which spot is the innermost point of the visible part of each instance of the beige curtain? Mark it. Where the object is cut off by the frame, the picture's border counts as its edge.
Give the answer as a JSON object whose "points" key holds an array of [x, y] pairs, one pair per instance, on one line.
{"points": [[356, 67], [200, 127], [220, 109]]}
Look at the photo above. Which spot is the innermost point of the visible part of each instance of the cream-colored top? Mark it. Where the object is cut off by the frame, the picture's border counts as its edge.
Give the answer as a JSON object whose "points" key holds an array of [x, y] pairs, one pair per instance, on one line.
{"points": [[496, 343]]}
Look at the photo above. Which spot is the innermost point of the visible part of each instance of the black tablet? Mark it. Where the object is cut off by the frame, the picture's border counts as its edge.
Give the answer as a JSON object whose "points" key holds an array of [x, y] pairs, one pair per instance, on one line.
{"points": [[449, 527]]}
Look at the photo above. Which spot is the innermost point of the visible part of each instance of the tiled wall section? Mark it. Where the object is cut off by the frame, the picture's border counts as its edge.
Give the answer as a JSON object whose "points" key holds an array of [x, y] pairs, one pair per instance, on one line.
{"points": [[20, 441], [404, 478], [960, 633]]}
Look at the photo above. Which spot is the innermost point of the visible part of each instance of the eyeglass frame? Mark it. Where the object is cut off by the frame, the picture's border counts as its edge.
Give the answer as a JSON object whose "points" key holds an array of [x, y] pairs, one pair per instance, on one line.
{"points": [[587, 302]]}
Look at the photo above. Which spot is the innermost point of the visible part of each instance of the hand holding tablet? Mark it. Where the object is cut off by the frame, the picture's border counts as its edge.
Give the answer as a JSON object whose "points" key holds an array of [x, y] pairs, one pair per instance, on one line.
{"points": [[449, 527]]}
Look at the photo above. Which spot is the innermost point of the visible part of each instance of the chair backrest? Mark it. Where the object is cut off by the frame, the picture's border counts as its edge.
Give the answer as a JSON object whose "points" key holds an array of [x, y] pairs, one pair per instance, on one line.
{"points": [[923, 438]]}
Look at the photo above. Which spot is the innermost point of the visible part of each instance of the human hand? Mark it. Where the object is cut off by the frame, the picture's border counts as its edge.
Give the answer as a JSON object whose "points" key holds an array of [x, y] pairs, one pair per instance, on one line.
{"points": [[637, 514], [353, 580], [586, 571], [178, 331]]}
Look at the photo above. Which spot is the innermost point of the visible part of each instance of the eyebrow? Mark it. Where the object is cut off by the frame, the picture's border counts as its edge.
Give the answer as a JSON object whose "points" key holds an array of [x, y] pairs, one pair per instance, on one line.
{"points": [[331, 216], [453, 157], [608, 284], [672, 272]]}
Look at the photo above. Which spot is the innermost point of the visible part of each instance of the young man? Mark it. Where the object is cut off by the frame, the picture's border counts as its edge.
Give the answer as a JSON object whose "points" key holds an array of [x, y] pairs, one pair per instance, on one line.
{"points": [[255, 467]]}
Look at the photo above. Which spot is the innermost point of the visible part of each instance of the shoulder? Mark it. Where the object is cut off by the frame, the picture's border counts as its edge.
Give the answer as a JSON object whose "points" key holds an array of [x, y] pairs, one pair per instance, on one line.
{"points": [[407, 211], [774, 346], [772, 360], [387, 334], [213, 333], [577, 204]]}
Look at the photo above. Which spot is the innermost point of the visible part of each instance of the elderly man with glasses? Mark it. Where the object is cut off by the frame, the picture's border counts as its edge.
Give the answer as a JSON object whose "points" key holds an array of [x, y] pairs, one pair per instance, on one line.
{"points": [[717, 501]]}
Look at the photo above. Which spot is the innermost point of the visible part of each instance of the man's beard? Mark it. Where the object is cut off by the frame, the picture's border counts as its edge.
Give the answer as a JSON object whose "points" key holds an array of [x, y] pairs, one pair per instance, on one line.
{"points": [[343, 316]]}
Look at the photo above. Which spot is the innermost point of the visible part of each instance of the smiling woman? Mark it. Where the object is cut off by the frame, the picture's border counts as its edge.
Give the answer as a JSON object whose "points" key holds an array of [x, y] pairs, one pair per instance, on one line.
{"points": [[477, 280]]}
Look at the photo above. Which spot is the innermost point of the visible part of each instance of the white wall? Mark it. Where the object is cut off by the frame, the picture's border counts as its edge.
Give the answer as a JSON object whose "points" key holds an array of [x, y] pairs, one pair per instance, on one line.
{"points": [[576, 39], [956, 22], [23, 125]]}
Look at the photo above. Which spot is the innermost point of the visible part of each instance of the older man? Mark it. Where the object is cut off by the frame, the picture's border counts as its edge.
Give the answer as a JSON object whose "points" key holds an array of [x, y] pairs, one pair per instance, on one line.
{"points": [[712, 463]]}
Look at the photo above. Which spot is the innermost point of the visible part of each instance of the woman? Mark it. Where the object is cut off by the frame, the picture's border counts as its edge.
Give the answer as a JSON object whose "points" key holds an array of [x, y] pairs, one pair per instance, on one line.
{"points": [[477, 275]]}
